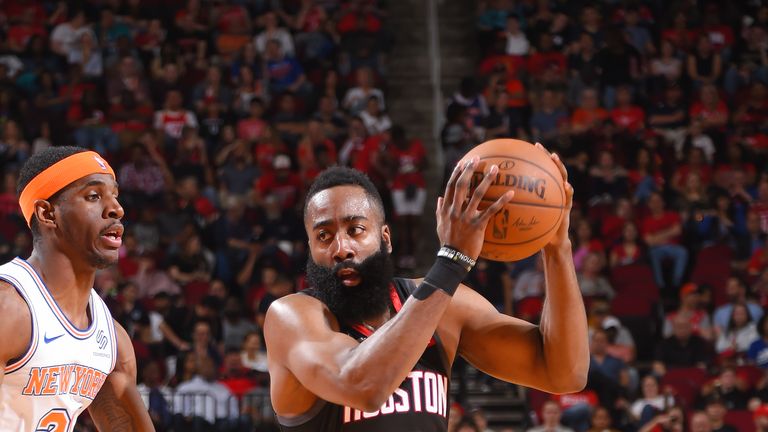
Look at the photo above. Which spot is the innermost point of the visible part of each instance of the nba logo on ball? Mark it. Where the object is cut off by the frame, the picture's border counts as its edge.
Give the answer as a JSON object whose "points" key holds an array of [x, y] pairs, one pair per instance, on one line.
{"points": [[528, 222]]}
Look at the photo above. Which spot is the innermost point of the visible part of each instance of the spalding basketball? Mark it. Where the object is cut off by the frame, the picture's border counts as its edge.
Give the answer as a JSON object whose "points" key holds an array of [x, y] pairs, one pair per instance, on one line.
{"points": [[528, 222]]}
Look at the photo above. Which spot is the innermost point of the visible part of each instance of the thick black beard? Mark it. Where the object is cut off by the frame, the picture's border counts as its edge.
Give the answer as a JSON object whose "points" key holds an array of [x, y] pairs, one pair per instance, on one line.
{"points": [[354, 304]]}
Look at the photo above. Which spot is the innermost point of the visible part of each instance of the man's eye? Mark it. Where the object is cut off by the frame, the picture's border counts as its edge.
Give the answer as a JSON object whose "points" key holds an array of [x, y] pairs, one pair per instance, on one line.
{"points": [[323, 236], [92, 196], [356, 230]]}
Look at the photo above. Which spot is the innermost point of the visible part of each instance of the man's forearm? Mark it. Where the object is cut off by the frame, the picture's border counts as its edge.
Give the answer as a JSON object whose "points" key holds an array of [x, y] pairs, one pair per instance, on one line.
{"points": [[563, 323]]}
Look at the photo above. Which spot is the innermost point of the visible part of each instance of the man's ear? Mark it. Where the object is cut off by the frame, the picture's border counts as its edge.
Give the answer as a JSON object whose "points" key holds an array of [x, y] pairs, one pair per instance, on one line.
{"points": [[386, 235], [45, 213]]}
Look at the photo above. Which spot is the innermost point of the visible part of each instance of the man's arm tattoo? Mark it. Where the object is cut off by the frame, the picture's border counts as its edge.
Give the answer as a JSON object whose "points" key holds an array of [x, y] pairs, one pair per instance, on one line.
{"points": [[108, 413]]}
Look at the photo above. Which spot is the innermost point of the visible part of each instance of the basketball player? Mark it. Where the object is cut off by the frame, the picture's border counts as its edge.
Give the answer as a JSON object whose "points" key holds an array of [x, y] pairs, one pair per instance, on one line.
{"points": [[61, 351], [361, 351]]}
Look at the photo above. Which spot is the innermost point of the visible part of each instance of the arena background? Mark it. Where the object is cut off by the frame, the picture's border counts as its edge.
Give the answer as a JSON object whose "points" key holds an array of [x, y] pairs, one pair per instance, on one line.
{"points": [[218, 114]]}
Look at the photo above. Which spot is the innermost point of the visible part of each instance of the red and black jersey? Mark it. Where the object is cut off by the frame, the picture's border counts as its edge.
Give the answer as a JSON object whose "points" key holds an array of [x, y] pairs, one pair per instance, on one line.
{"points": [[421, 403]]}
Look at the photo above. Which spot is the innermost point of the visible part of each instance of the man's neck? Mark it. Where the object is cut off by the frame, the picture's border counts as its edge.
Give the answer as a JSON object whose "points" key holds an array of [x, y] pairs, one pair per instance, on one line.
{"points": [[68, 282]]}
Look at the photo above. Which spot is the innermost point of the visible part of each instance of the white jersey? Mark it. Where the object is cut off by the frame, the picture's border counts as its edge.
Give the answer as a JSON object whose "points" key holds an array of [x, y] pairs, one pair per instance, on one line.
{"points": [[64, 367]]}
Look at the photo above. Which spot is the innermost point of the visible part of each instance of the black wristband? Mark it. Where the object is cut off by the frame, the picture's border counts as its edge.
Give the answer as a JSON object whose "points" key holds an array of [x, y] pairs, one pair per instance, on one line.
{"points": [[445, 275]]}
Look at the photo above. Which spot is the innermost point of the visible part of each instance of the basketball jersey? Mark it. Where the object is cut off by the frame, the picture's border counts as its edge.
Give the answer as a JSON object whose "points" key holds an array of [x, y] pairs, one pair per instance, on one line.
{"points": [[64, 367], [419, 404]]}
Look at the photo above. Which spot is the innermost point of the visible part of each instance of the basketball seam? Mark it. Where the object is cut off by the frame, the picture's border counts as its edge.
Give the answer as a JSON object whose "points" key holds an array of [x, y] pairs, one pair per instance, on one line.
{"points": [[525, 203]]}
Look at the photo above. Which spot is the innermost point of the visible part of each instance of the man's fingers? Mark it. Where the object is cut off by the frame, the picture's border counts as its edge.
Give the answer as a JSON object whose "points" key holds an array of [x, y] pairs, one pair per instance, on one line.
{"points": [[560, 166], [477, 196], [496, 206], [462, 184], [450, 187]]}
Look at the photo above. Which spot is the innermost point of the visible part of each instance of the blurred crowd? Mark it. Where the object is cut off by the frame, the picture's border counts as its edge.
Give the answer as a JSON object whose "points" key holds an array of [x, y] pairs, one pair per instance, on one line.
{"points": [[660, 111], [216, 116]]}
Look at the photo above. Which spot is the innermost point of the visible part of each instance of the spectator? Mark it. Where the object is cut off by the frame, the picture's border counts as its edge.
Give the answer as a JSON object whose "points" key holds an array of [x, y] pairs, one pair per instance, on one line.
{"points": [[212, 92], [548, 120], [669, 420], [727, 388], [66, 34], [601, 421], [252, 355], [628, 250], [409, 192], [591, 282], [273, 32], [716, 411], [516, 41], [625, 115], [760, 416], [700, 422], [235, 327], [202, 401], [704, 64], [736, 293], [374, 119], [530, 283], [589, 115], [550, 414], [682, 349], [173, 118], [283, 72], [735, 339], [661, 232], [690, 309], [650, 396], [668, 117]]}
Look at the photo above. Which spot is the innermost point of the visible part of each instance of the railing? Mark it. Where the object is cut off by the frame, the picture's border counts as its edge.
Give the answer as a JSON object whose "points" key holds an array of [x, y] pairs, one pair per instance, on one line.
{"points": [[207, 411]]}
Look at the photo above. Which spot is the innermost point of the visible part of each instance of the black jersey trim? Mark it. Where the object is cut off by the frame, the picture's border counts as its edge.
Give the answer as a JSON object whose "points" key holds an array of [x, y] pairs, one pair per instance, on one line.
{"points": [[302, 418]]}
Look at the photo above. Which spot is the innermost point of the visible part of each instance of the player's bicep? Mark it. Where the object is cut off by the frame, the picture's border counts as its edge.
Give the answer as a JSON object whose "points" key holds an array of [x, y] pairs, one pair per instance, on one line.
{"points": [[500, 345], [300, 340]]}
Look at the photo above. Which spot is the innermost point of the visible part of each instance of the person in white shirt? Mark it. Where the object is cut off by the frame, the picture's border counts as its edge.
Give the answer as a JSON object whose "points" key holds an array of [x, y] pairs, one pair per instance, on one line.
{"points": [[202, 397], [252, 356], [374, 119], [517, 42], [66, 34], [550, 416], [272, 31], [357, 97]]}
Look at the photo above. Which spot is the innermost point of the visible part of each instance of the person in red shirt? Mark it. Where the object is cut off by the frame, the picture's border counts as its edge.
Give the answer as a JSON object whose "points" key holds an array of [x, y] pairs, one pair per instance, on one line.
{"points": [[626, 115], [661, 231], [409, 193], [280, 182], [710, 110]]}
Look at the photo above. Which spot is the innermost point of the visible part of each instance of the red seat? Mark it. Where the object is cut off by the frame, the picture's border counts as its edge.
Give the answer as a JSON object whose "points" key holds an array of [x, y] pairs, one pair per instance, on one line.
{"points": [[628, 305], [635, 279], [750, 375], [686, 382], [713, 267], [742, 420], [529, 307]]}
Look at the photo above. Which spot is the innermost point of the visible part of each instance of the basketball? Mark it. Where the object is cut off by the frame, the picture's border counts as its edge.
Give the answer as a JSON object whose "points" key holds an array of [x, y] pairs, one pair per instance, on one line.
{"points": [[528, 222]]}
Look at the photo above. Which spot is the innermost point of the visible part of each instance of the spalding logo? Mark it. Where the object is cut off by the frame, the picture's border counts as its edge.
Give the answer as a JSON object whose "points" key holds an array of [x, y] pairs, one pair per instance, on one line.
{"points": [[507, 164], [536, 186]]}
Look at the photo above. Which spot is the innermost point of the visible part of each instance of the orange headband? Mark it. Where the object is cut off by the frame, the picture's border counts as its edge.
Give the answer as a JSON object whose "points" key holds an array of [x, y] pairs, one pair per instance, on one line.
{"points": [[57, 176]]}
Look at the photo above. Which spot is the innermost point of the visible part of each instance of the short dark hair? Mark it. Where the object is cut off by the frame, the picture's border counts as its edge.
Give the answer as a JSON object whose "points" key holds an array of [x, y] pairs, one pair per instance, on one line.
{"points": [[343, 176], [38, 163]]}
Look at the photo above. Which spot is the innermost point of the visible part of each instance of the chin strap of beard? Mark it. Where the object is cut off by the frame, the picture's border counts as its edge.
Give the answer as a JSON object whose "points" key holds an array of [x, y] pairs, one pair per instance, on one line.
{"points": [[446, 274]]}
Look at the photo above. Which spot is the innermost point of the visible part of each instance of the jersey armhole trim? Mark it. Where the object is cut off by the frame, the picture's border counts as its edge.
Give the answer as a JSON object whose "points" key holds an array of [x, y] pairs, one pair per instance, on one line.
{"points": [[302, 418], [18, 363]]}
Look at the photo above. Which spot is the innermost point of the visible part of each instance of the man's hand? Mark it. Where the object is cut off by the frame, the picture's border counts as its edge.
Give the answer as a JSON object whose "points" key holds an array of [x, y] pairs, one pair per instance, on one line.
{"points": [[561, 236], [460, 224]]}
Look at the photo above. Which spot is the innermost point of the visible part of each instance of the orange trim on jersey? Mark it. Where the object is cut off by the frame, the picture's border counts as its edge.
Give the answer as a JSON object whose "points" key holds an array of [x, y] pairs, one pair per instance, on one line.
{"points": [[58, 176], [365, 331], [65, 322], [18, 364]]}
